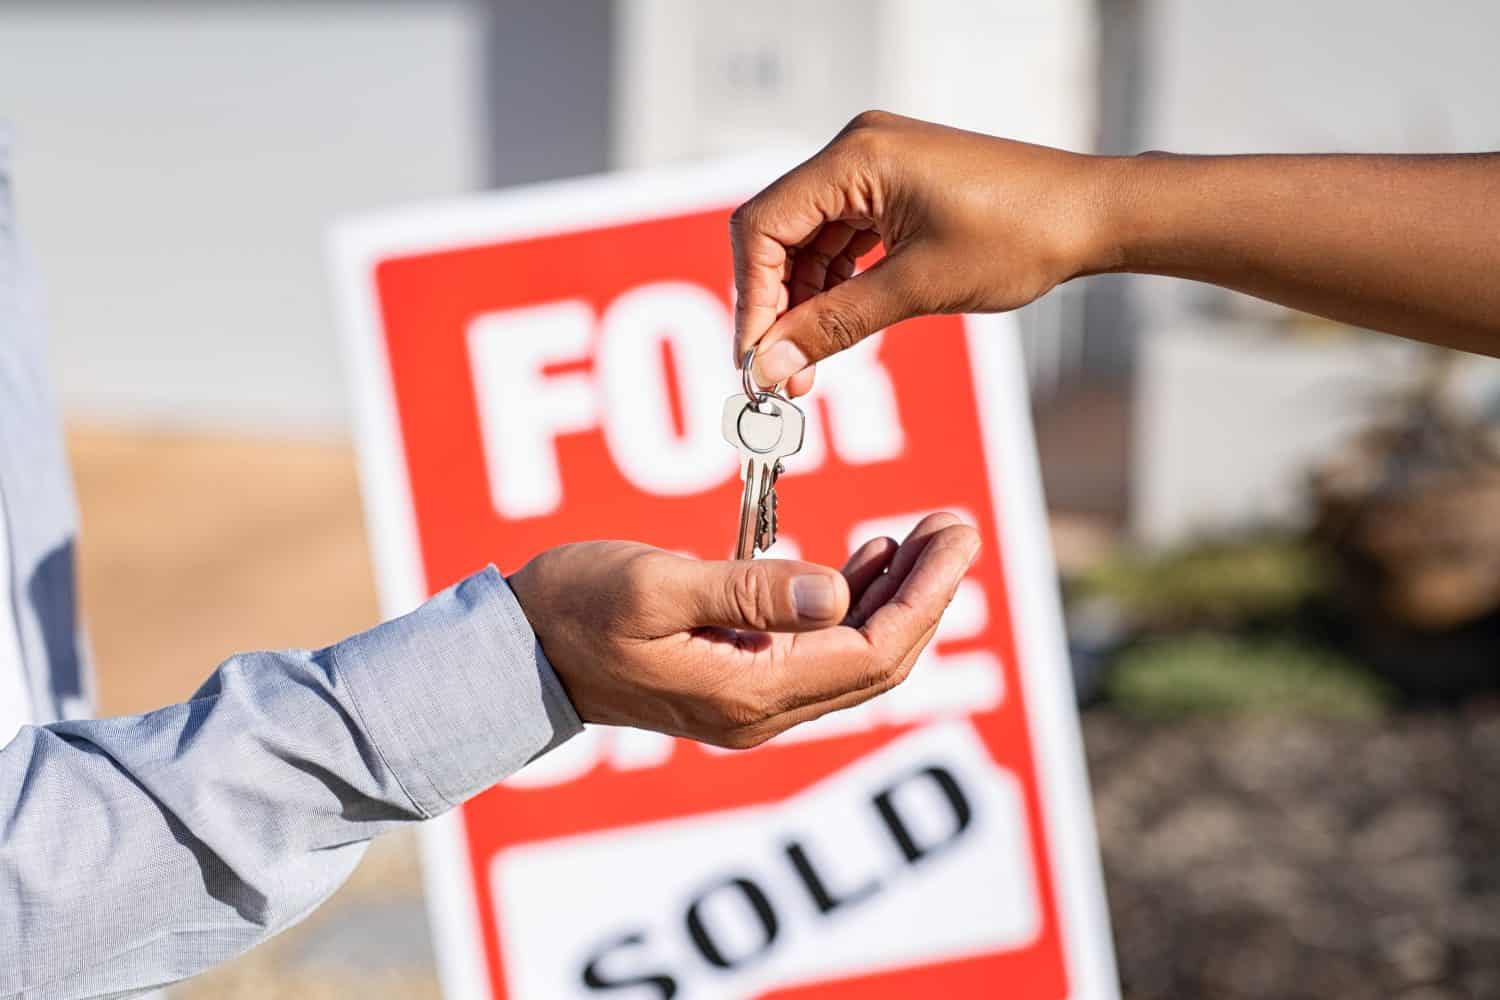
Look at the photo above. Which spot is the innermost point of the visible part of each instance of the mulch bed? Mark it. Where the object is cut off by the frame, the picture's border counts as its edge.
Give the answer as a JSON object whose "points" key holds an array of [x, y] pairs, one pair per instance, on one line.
{"points": [[1288, 858]]}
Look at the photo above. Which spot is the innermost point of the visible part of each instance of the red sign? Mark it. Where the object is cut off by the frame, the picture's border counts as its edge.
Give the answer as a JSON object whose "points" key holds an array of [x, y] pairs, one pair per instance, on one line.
{"points": [[547, 366]]}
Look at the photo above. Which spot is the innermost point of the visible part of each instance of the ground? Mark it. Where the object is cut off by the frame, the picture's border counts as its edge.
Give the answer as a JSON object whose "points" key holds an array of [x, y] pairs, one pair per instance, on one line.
{"points": [[1302, 858]]}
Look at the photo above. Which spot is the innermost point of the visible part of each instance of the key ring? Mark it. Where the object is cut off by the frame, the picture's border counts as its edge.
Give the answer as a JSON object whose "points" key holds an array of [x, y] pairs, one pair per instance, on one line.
{"points": [[758, 397]]}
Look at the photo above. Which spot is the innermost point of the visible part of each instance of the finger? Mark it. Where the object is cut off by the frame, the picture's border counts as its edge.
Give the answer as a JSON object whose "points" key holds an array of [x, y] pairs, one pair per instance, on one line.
{"points": [[863, 242], [840, 317], [824, 665], [866, 563], [905, 558], [761, 231], [836, 667], [811, 266], [761, 266], [842, 268], [839, 271], [763, 595], [893, 640], [925, 592], [801, 383]]}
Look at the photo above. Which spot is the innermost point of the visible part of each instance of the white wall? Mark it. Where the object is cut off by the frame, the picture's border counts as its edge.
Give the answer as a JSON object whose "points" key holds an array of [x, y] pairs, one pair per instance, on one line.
{"points": [[721, 77], [1330, 76], [176, 166], [1231, 423]]}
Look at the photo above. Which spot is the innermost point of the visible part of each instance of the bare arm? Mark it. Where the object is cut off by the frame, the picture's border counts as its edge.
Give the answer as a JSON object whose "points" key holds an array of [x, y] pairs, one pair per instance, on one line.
{"points": [[970, 223], [1405, 244]]}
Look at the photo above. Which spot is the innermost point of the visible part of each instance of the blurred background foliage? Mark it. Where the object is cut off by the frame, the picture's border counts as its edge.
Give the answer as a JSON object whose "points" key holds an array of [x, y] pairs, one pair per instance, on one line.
{"points": [[1212, 674], [1222, 583], [1389, 596]]}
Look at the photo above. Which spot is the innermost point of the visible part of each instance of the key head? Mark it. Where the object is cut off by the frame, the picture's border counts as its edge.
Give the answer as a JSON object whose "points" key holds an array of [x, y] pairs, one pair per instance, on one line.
{"points": [[768, 432]]}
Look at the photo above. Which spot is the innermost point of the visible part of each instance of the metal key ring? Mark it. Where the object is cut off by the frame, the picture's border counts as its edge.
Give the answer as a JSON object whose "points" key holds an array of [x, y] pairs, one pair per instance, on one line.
{"points": [[757, 396]]}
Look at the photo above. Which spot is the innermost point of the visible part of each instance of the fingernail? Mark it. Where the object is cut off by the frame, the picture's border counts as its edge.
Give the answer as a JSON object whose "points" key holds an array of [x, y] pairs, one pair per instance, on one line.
{"points": [[814, 597], [779, 362]]}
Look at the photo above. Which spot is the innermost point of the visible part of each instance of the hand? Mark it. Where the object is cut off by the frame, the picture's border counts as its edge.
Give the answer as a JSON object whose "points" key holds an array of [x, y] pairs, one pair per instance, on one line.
{"points": [[732, 653], [970, 223]]}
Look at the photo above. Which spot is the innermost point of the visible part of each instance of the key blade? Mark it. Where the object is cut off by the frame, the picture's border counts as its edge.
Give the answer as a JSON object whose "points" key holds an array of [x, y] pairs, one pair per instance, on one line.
{"points": [[744, 544]]}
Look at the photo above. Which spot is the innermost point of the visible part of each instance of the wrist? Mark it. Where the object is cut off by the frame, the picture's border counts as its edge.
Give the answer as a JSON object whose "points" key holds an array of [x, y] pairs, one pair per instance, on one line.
{"points": [[535, 588], [1112, 201], [1151, 202]]}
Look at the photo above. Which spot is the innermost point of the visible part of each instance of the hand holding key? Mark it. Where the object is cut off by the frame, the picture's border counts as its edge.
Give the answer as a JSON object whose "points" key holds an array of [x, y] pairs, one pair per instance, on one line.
{"points": [[974, 223], [969, 223], [733, 653]]}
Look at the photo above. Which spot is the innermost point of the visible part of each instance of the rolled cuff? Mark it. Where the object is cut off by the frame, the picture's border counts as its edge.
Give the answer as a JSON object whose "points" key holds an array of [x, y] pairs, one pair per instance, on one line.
{"points": [[457, 695]]}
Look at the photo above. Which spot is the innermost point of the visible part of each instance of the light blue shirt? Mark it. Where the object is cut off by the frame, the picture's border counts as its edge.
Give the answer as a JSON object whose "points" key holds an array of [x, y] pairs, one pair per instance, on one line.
{"points": [[138, 851]]}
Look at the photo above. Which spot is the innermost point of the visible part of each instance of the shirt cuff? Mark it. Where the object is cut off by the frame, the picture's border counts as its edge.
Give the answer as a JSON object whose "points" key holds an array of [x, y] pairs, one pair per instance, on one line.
{"points": [[458, 694]]}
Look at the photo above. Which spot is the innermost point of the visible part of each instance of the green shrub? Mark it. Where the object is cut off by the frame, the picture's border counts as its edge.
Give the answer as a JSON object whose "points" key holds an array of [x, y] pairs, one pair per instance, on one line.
{"points": [[1208, 674], [1218, 584]]}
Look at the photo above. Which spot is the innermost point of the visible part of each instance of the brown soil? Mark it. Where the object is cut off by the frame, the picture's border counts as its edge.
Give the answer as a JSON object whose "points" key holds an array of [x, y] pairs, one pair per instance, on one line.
{"points": [[1284, 858], [193, 548]]}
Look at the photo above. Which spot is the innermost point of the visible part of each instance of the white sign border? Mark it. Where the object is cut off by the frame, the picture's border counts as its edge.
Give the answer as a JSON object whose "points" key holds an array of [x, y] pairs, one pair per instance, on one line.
{"points": [[355, 247]]}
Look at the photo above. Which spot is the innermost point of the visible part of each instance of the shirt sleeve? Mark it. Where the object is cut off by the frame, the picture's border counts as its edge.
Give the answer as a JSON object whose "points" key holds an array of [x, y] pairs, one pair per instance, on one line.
{"points": [[140, 850]]}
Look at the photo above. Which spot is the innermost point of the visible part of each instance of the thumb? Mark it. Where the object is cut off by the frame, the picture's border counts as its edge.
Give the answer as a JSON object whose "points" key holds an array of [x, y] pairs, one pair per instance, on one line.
{"points": [[837, 319], [763, 595]]}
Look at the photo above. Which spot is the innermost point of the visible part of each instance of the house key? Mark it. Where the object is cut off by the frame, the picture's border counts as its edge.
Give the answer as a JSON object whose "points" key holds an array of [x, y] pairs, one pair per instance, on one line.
{"points": [[764, 427]]}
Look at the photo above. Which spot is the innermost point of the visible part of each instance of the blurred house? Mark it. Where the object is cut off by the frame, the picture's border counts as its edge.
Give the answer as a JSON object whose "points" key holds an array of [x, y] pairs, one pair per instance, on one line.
{"points": [[177, 165]]}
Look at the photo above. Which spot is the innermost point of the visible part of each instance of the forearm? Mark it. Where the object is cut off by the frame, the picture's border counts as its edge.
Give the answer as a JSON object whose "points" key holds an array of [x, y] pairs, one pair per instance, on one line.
{"points": [[139, 850], [1408, 245]]}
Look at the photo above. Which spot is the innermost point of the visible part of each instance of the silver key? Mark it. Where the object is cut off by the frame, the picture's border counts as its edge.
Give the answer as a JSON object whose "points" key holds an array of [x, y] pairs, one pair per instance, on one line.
{"points": [[749, 535], [763, 439], [764, 427]]}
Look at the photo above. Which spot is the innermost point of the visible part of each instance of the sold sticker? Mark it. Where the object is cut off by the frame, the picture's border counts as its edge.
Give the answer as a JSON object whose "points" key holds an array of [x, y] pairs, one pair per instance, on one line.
{"points": [[742, 901]]}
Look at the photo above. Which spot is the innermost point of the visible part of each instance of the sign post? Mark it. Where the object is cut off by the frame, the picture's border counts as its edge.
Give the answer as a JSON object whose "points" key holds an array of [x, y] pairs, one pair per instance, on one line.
{"points": [[547, 365]]}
